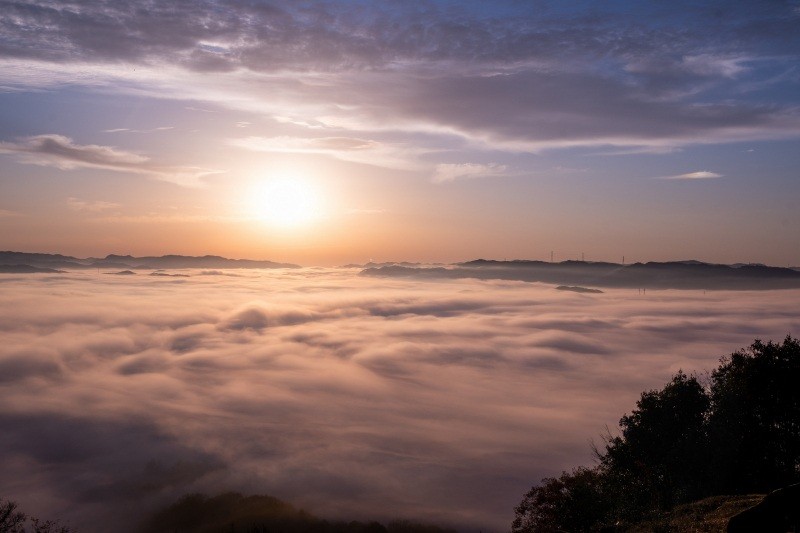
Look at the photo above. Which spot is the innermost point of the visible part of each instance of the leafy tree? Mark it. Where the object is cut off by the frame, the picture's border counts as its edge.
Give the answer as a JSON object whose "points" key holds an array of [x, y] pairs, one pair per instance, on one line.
{"points": [[575, 502], [659, 458], [755, 419]]}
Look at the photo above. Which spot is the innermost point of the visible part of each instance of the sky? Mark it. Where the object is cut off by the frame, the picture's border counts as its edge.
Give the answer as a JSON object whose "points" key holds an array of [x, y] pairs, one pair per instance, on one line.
{"points": [[331, 132], [353, 397]]}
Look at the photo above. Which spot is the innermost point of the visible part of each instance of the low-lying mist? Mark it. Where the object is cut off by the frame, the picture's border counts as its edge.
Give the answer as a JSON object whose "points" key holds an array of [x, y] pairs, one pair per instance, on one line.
{"points": [[355, 397]]}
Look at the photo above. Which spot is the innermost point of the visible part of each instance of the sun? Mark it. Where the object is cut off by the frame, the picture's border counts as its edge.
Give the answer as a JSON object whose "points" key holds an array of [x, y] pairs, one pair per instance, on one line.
{"points": [[285, 202]]}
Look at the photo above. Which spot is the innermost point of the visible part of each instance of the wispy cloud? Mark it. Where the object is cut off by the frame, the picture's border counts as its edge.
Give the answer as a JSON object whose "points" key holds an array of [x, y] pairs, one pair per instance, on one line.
{"points": [[62, 152], [714, 65], [200, 109], [329, 145], [344, 148], [165, 218], [129, 130], [656, 149], [365, 211], [449, 172], [77, 204], [697, 175]]}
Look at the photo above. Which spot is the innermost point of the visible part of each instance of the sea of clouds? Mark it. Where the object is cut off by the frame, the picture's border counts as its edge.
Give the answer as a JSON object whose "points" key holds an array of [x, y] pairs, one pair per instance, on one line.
{"points": [[350, 396]]}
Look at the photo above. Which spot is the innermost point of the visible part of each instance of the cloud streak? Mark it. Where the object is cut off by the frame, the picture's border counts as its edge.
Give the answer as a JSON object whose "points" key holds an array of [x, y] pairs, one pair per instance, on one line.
{"points": [[76, 204], [63, 153], [448, 172], [348, 395], [698, 175], [344, 148]]}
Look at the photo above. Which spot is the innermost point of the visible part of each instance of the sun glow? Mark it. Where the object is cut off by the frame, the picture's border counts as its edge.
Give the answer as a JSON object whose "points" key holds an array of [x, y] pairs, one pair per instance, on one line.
{"points": [[285, 202]]}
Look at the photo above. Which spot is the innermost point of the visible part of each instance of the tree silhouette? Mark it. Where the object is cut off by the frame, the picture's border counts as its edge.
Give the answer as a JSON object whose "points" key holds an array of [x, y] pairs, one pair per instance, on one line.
{"points": [[658, 459], [11, 520], [575, 501], [755, 419], [14, 521], [738, 435]]}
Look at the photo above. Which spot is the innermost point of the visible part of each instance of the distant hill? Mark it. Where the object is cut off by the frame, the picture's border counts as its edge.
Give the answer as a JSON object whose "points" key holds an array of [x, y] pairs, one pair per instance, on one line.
{"points": [[583, 290], [185, 261], [27, 269], [128, 262], [652, 275]]}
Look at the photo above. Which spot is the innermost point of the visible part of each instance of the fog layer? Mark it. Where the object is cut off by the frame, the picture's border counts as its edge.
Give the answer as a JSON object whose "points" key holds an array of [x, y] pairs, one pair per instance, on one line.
{"points": [[357, 397]]}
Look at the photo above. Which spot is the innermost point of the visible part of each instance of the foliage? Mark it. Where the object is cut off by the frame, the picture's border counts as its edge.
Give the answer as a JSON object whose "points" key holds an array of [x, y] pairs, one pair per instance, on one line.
{"points": [[739, 434], [755, 418], [662, 448]]}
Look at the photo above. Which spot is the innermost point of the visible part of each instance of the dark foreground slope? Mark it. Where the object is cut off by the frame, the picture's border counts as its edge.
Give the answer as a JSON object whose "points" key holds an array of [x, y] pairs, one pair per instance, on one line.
{"points": [[710, 515], [234, 513], [226, 513], [669, 275]]}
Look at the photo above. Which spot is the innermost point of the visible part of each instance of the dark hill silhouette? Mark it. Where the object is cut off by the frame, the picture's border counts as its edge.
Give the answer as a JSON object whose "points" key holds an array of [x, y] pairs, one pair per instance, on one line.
{"points": [[28, 269], [206, 261], [234, 513], [652, 275], [229, 512], [37, 260], [387, 263], [128, 262], [583, 290]]}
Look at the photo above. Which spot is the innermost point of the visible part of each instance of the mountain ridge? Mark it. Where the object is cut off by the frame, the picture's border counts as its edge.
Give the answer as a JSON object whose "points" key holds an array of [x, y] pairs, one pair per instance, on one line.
{"points": [[650, 275], [129, 262]]}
